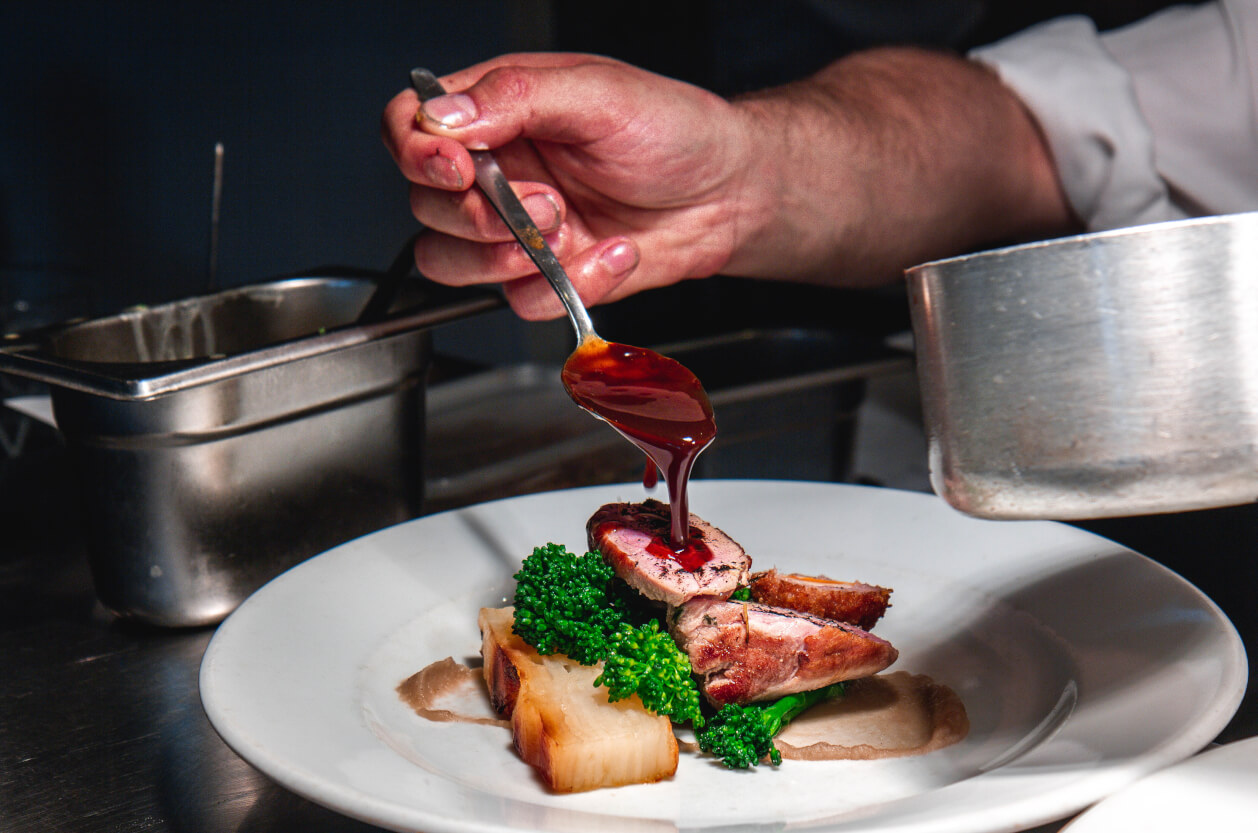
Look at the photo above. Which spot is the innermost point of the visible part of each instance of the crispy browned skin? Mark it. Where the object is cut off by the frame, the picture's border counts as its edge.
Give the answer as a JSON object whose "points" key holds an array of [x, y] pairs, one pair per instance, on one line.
{"points": [[499, 650], [746, 652], [562, 724], [853, 602]]}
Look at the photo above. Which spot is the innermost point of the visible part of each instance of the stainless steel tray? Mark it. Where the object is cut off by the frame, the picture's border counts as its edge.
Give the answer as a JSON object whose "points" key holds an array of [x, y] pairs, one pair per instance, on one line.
{"points": [[145, 352], [219, 440]]}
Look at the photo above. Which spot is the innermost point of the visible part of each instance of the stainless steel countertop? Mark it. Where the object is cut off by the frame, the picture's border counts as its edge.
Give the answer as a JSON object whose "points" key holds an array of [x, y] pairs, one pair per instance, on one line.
{"points": [[101, 725]]}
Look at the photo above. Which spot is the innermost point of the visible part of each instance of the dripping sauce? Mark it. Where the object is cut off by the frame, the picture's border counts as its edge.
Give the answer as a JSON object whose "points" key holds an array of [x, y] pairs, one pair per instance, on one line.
{"points": [[657, 404], [691, 555], [650, 475]]}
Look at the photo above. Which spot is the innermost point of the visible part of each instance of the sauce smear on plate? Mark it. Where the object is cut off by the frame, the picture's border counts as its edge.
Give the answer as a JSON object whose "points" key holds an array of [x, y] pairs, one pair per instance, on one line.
{"points": [[657, 404]]}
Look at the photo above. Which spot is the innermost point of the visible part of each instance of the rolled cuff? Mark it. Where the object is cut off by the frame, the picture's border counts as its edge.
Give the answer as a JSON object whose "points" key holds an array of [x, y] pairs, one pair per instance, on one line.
{"points": [[1085, 103]]}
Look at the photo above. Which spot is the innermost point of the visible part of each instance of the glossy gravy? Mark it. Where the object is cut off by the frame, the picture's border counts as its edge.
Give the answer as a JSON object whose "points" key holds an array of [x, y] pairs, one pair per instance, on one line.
{"points": [[885, 716]]}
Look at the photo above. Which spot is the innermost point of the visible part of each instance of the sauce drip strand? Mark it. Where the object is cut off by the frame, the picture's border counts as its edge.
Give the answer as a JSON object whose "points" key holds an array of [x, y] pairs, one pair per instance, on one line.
{"points": [[656, 403]]}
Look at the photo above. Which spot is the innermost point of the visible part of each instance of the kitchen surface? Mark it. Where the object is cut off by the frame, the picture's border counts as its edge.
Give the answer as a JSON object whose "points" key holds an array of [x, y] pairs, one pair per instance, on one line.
{"points": [[222, 147]]}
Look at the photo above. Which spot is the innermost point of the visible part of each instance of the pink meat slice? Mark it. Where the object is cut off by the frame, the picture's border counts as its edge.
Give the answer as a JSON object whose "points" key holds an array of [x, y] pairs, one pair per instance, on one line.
{"points": [[744, 652], [625, 534]]}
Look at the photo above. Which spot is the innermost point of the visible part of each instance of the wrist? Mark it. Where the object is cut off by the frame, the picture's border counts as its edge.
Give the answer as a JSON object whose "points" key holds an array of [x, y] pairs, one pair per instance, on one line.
{"points": [[811, 182], [777, 231], [885, 159]]}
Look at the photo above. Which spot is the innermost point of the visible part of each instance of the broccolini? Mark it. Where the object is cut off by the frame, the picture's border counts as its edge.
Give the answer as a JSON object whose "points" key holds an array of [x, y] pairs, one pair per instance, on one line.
{"points": [[647, 662], [742, 736], [575, 605], [565, 604]]}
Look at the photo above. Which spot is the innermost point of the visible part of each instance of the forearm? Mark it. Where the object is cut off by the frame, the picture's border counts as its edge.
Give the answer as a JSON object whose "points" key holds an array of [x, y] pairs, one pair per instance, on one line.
{"points": [[888, 158]]}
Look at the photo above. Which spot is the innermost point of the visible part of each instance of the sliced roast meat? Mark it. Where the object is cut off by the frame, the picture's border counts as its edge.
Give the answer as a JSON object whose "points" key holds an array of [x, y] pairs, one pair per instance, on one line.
{"points": [[844, 601], [746, 651], [634, 539]]}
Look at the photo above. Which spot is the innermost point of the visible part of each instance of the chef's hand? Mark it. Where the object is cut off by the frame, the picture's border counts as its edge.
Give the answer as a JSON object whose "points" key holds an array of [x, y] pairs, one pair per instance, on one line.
{"points": [[634, 178], [882, 160]]}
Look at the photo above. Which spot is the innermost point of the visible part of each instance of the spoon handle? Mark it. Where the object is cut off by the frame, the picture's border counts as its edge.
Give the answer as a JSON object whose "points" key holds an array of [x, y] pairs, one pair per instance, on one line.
{"points": [[495, 187]]}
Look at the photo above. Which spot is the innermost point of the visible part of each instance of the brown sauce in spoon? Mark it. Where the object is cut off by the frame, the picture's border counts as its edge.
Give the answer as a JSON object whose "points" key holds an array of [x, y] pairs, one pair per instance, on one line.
{"points": [[656, 403]]}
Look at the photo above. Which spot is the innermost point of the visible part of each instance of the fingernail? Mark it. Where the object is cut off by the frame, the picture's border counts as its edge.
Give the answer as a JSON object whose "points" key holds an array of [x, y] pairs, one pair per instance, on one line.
{"points": [[543, 209], [619, 258], [443, 172], [454, 110]]}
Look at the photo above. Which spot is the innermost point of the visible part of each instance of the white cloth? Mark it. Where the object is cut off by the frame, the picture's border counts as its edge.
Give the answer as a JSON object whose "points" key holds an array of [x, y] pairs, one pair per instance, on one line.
{"points": [[1154, 121]]}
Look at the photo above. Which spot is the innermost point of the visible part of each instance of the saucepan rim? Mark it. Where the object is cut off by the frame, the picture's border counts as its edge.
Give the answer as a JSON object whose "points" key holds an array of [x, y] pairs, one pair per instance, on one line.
{"points": [[1084, 238]]}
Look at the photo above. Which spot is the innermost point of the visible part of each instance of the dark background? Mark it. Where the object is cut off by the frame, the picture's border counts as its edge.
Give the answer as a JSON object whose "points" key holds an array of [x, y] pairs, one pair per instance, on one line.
{"points": [[110, 112]]}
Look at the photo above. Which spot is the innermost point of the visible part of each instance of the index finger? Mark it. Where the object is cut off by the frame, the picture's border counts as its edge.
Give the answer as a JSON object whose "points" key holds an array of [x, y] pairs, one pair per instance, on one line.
{"points": [[460, 80], [423, 158]]}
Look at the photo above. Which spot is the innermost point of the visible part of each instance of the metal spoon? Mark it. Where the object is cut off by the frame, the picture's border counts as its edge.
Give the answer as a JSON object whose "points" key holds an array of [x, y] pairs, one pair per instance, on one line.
{"points": [[493, 183], [651, 400]]}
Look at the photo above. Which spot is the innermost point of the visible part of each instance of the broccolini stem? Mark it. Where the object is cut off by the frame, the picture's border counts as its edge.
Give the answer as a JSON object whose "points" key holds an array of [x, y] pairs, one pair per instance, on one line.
{"points": [[741, 736], [786, 709]]}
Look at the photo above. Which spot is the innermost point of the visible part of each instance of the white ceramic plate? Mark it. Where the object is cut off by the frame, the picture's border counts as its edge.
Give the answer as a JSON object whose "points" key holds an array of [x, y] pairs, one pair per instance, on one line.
{"points": [[1215, 791], [1083, 666]]}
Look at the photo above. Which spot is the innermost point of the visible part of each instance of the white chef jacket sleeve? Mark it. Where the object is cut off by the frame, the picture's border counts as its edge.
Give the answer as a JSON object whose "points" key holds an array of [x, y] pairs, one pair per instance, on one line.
{"points": [[1154, 121]]}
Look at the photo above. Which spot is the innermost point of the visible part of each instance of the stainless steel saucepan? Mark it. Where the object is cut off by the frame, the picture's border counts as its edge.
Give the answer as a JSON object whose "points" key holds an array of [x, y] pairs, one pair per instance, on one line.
{"points": [[1105, 374]]}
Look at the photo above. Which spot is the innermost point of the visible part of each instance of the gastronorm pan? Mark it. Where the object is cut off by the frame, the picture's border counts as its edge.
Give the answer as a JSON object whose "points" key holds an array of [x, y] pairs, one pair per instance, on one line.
{"points": [[219, 440]]}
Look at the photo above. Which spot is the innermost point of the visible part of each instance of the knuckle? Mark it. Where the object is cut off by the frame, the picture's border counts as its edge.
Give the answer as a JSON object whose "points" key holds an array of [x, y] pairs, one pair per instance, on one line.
{"points": [[485, 224], [510, 84], [427, 254]]}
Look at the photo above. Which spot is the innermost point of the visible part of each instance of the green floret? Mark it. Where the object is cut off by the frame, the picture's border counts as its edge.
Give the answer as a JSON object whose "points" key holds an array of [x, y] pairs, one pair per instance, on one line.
{"points": [[575, 605], [567, 604], [647, 662], [742, 736]]}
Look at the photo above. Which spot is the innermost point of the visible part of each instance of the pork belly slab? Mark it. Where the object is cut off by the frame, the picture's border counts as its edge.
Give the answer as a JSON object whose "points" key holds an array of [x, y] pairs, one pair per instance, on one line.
{"points": [[853, 602], [634, 539], [744, 652]]}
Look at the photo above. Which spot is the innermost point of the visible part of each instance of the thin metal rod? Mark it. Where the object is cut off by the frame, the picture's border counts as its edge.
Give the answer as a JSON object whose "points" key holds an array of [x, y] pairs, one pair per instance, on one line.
{"points": [[216, 207]]}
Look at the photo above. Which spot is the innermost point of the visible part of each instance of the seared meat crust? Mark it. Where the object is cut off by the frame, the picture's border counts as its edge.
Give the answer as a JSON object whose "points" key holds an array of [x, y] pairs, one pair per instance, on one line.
{"points": [[843, 601], [746, 651]]}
